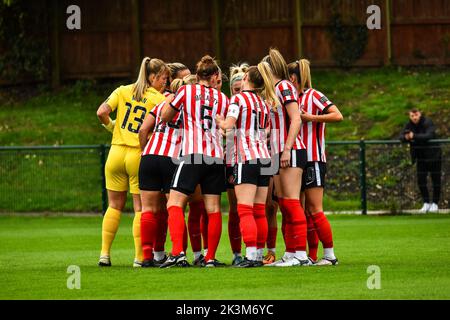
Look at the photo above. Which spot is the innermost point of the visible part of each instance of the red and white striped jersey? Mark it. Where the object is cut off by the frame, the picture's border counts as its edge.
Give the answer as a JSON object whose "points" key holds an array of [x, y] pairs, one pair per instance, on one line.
{"points": [[280, 122], [252, 115], [198, 106], [166, 137], [313, 133]]}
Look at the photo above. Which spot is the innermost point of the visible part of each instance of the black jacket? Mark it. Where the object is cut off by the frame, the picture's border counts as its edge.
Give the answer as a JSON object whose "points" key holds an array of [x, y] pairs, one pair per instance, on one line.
{"points": [[421, 149]]}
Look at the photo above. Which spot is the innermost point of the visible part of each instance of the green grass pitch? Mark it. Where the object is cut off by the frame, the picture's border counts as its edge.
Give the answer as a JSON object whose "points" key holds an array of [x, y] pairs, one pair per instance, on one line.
{"points": [[413, 253]]}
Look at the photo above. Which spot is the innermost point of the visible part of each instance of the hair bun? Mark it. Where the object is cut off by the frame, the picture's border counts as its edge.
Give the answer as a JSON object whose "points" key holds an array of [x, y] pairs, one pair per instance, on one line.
{"points": [[207, 59]]}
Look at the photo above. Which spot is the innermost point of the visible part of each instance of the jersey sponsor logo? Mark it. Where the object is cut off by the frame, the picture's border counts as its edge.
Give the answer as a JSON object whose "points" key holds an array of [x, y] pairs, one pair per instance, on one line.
{"points": [[286, 93], [323, 99]]}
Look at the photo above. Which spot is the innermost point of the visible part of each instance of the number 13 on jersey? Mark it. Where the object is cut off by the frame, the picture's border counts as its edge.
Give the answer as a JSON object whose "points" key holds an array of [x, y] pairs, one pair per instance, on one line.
{"points": [[137, 113]]}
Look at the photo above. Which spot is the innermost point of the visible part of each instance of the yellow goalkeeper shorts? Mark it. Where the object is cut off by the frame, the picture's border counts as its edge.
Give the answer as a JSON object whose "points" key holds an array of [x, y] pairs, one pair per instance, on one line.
{"points": [[122, 169]]}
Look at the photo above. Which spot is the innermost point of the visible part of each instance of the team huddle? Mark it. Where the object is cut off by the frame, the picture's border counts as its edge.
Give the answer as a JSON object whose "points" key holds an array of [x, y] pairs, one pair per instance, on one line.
{"points": [[179, 142]]}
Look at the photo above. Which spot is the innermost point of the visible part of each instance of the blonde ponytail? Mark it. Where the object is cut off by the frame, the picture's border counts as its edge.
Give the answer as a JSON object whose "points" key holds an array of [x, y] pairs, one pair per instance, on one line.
{"points": [[148, 67], [268, 92], [277, 64], [305, 74], [301, 70], [142, 82]]}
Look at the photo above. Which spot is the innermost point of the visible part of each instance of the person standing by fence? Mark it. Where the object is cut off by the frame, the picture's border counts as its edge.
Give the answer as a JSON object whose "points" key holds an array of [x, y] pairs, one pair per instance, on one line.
{"points": [[428, 156], [132, 103]]}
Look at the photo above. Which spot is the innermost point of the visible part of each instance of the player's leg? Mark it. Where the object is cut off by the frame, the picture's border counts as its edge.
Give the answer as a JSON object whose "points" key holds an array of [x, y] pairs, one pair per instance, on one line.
{"points": [[149, 224], [132, 164], [117, 186], [234, 231], [314, 198], [184, 181], [212, 185], [196, 210], [271, 214], [288, 186], [161, 234], [259, 210], [245, 195]]}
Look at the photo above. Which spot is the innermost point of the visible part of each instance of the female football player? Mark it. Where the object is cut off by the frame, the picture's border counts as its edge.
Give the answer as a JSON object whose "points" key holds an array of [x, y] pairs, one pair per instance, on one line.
{"points": [[156, 170], [249, 113], [237, 73], [201, 159], [289, 152], [132, 103], [317, 111]]}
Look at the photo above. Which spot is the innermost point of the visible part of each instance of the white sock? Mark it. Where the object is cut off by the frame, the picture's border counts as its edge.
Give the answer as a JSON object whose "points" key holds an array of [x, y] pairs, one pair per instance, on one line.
{"points": [[271, 249], [328, 253], [259, 254], [205, 252], [250, 253], [237, 254], [288, 255], [301, 255], [158, 255], [197, 255]]}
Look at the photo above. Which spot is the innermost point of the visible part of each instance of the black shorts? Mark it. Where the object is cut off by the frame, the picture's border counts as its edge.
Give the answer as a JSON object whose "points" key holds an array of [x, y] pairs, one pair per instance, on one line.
{"points": [[197, 169], [229, 177], [254, 172], [314, 175], [299, 159], [156, 172]]}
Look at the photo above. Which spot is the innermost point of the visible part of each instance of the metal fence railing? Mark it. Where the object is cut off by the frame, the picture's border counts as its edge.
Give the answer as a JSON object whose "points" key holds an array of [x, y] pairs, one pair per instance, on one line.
{"points": [[361, 176]]}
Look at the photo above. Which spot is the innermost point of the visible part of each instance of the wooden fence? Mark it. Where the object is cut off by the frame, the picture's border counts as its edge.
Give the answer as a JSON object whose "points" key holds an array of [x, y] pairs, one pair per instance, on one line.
{"points": [[116, 34]]}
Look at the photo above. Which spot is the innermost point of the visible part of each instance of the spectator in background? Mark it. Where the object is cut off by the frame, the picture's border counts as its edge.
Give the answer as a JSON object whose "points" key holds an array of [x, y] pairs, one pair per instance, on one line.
{"points": [[417, 132]]}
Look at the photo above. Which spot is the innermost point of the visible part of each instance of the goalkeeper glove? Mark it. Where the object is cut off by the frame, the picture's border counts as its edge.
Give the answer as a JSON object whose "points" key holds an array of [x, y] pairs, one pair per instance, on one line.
{"points": [[110, 125]]}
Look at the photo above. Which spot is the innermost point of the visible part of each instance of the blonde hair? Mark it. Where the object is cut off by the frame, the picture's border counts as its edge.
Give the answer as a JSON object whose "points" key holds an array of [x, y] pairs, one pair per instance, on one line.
{"points": [[262, 79], [237, 73], [148, 67], [177, 83], [302, 71], [277, 64], [176, 67]]}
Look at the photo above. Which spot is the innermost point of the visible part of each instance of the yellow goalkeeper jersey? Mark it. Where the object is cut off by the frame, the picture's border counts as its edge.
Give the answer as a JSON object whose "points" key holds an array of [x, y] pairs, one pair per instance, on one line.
{"points": [[131, 113]]}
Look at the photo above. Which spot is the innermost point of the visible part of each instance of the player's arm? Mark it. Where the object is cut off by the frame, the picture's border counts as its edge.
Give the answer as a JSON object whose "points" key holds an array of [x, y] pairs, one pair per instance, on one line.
{"points": [[169, 111], [331, 114], [103, 113], [146, 128], [230, 121], [294, 128]]}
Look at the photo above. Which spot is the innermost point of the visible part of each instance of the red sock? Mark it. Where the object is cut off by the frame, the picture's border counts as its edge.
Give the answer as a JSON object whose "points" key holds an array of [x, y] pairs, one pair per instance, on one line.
{"points": [[214, 233], [285, 226], [161, 232], [149, 226], [272, 237], [177, 229], [313, 238], [259, 212], [323, 229], [204, 228], [185, 238], [296, 231], [234, 232], [247, 224], [195, 235]]}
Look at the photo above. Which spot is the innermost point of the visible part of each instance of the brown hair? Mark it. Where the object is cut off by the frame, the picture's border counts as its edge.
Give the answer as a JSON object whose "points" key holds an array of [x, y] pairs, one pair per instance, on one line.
{"points": [[261, 78], [148, 67], [302, 71], [206, 68], [277, 64]]}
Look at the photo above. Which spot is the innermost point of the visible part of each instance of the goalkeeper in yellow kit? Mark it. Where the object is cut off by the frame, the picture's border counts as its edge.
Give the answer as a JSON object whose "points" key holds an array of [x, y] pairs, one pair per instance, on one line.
{"points": [[132, 103]]}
